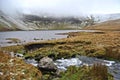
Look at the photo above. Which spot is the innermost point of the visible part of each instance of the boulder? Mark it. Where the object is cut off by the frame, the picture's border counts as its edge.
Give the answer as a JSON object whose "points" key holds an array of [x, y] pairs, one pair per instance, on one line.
{"points": [[47, 64]]}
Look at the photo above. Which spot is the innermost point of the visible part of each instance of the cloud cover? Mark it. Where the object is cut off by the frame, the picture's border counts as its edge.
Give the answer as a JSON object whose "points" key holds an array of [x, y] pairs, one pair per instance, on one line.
{"points": [[61, 7]]}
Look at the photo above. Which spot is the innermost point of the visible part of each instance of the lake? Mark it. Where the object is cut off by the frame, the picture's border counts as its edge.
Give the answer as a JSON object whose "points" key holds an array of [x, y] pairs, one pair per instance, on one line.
{"points": [[33, 36]]}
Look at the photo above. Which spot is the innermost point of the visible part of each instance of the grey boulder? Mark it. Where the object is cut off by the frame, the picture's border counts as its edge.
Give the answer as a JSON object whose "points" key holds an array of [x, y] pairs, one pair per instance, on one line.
{"points": [[47, 64]]}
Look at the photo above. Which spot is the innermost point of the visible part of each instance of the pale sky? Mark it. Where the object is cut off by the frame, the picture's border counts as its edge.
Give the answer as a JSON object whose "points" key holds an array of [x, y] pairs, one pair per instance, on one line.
{"points": [[61, 7]]}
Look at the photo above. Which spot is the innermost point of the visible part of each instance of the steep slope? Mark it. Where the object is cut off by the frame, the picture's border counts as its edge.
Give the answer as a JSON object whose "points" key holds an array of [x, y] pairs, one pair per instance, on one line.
{"points": [[51, 22], [4, 23], [107, 25], [8, 22]]}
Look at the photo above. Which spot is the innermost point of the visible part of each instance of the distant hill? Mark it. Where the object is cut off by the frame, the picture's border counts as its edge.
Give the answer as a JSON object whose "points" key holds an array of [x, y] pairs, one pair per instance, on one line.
{"points": [[38, 22], [34, 22], [49, 22], [107, 25]]}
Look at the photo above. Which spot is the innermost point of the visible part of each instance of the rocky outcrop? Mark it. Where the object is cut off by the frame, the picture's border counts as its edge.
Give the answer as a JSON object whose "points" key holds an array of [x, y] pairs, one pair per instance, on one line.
{"points": [[47, 64]]}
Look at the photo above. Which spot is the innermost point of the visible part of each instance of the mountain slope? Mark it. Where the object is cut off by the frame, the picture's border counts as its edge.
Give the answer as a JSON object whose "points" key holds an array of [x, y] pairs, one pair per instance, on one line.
{"points": [[106, 17], [9, 23], [34, 22], [4, 23], [107, 25]]}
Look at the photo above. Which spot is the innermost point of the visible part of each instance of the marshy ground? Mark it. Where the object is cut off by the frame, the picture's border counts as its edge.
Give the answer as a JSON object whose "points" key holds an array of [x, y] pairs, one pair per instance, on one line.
{"points": [[101, 44], [94, 44]]}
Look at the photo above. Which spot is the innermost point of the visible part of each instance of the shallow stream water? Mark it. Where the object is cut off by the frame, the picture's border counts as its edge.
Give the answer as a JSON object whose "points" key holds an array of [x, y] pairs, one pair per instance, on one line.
{"points": [[62, 64]]}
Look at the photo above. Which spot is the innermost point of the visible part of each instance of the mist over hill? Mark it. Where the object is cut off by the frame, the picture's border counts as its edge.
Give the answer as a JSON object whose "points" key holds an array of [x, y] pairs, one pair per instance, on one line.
{"points": [[42, 22], [55, 14]]}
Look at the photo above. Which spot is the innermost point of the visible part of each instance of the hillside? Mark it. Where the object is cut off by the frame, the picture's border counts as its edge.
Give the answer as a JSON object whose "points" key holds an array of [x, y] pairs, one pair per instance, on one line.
{"points": [[34, 22], [37, 22], [107, 25], [8, 22]]}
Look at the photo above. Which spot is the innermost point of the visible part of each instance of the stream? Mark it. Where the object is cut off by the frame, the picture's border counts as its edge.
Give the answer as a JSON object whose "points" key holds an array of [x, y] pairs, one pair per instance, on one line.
{"points": [[62, 64]]}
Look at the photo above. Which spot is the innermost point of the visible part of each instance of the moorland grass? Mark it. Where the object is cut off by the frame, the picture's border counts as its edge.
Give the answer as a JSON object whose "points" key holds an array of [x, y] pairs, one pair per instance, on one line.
{"points": [[17, 69]]}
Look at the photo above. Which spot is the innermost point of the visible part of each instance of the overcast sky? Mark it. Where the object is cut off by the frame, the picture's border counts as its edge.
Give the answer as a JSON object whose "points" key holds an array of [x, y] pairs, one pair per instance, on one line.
{"points": [[61, 7]]}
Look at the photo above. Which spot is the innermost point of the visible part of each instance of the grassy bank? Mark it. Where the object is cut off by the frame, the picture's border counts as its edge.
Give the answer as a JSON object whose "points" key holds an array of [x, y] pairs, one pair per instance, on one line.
{"points": [[17, 69], [97, 44], [110, 25]]}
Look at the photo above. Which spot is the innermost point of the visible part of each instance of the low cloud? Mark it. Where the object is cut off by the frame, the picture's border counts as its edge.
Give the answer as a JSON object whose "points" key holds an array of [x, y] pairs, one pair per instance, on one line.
{"points": [[61, 7]]}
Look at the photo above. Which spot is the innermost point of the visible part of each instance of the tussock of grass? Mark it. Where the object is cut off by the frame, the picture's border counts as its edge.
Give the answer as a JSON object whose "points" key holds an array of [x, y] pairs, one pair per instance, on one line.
{"points": [[96, 72], [12, 48], [13, 68], [113, 52], [99, 72]]}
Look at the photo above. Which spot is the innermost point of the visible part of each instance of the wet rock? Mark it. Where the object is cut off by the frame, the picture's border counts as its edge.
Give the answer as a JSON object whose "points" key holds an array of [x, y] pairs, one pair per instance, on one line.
{"points": [[19, 55], [47, 64], [36, 39], [12, 54]]}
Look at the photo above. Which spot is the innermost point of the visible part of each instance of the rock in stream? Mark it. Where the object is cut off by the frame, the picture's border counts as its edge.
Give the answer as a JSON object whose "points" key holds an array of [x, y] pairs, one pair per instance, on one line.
{"points": [[48, 64]]}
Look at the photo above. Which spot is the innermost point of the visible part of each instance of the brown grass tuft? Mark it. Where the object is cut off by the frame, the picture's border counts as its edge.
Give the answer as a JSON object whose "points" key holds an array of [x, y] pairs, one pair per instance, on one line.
{"points": [[14, 68], [99, 72]]}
